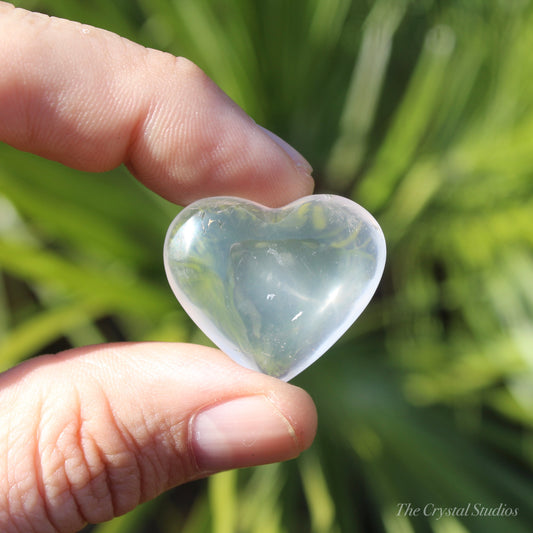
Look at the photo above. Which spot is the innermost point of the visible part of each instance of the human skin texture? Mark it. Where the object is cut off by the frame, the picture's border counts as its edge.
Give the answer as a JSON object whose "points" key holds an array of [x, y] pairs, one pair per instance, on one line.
{"points": [[88, 434]]}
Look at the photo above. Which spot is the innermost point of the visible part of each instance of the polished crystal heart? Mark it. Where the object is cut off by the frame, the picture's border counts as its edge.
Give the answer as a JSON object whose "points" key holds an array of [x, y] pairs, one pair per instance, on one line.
{"points": [[274, 288]]}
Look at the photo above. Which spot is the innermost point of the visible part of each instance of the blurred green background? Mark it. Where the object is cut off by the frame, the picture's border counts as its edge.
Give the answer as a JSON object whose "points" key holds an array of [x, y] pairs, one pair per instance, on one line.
{"points": [[422, 111]]}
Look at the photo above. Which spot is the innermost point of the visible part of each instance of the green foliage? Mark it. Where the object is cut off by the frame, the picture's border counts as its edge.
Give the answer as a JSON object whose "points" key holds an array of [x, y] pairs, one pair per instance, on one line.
{"points": [[422, 111]]}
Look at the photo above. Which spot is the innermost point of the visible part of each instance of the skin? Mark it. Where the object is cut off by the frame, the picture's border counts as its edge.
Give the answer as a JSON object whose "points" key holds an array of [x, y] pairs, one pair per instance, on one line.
{"points": [[90, 433]]}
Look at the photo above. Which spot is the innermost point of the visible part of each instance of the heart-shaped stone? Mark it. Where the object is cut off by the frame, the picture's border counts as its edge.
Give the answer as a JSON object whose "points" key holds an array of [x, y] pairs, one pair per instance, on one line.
{"points": [[274, 288]]}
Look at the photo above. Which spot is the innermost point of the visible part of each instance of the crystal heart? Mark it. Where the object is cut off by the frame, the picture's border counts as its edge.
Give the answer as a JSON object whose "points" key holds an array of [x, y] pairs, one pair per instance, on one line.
{"points": [[274, 288]]}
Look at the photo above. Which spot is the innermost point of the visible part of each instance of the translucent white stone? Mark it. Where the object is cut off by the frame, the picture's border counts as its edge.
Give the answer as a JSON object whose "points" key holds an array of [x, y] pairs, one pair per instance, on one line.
{"points": [[274, 288]]}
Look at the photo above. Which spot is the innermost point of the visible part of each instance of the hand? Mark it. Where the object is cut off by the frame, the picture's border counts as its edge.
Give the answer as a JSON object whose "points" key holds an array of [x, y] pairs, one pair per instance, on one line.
{"points": [[90, 433]]}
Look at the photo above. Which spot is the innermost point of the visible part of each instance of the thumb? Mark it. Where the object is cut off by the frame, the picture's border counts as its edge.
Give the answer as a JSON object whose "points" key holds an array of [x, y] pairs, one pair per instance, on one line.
{"points": [[93, 432]]}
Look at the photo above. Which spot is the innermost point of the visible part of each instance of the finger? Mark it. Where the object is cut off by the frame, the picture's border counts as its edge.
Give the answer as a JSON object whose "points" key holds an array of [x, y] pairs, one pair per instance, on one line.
{"points": [[92, 100], [90, 433]]}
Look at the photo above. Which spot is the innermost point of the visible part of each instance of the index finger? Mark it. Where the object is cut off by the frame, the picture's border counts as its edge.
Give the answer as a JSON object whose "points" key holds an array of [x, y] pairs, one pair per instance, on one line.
{"points": [[93, 100]]}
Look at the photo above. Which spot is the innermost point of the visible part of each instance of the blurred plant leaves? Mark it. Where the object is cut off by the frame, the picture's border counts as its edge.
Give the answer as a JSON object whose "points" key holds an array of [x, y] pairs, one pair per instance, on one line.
{"points": [[423, 113]]}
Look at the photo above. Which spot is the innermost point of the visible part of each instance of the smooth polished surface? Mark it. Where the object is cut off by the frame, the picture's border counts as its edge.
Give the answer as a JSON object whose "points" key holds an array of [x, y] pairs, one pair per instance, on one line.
{"points": [[274, 288]]}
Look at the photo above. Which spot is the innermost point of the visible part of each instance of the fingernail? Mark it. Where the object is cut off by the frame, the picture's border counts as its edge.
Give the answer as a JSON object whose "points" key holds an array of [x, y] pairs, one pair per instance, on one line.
{"points": [[297, 158], [243, 432]]}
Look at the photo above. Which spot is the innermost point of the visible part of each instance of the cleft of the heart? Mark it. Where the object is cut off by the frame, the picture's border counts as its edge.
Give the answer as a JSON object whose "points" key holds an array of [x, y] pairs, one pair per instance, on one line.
{"points": [[274, 288]]}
